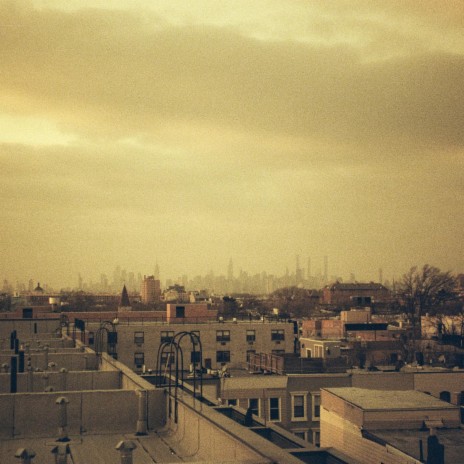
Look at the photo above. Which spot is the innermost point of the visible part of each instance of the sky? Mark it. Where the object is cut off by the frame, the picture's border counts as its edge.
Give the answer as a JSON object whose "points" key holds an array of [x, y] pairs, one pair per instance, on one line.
{"points": [[189, 133]]}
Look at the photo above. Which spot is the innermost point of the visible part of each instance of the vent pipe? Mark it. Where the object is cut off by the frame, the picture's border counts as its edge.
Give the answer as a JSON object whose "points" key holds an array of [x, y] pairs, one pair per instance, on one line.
{"points": [[12, 339], [62, 402], [142, 413], [30, 379], [21, 361], [61, 453], [45, 360], [26, 455], [63, 378], [14, 374], [125, 447]]}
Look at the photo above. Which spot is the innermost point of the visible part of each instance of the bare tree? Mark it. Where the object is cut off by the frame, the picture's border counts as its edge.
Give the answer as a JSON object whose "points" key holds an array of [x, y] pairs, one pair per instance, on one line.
{"points": [[425, 289]]}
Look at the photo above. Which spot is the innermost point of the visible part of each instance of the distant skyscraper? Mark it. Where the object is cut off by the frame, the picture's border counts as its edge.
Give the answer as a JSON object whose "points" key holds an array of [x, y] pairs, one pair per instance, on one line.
{"points": [[230, 270], [151, 290], [298, 271], [157, 272]]}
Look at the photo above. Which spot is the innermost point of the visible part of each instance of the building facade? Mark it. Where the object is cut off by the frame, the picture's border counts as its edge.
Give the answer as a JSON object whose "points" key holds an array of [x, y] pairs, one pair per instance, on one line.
{"points": [[151, 290], [222, 343]]}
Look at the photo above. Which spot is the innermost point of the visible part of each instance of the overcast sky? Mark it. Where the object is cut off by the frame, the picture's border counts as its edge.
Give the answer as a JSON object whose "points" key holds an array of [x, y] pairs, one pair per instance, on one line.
{"points": [[189, 133]]}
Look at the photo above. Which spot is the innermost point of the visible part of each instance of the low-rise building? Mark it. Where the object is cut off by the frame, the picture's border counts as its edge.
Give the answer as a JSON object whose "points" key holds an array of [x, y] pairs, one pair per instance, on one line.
{"points": [[390, 427], [355, 294]]}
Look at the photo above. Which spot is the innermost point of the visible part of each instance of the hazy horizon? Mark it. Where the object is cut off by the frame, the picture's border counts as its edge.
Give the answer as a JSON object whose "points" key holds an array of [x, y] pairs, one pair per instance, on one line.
{"points": [[135, 132]]}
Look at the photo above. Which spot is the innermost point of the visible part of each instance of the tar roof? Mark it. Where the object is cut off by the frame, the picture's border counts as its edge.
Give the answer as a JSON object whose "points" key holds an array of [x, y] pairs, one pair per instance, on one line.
{"points": [[408, 442], [391, 400]]}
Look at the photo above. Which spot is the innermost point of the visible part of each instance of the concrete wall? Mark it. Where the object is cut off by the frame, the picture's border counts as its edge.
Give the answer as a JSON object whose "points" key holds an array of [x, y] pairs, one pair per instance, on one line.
{"points": [[435, 382], [37, 415], [409, 419], [27, 327], [70, 381], [72, 361], [202, 434], [342, 435], [35, 343]]}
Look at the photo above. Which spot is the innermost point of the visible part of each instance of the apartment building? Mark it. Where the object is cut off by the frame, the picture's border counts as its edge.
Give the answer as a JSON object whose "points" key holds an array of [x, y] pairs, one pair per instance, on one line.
{"points": [[228, 343], [150, 291]]}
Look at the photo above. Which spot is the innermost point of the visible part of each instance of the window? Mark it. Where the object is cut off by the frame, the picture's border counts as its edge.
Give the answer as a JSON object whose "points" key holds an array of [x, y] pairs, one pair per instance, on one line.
{"points": [[316, 437], [139, 360], [167, 336], [277, 335], [274, 409], [253, 403], [445, 396], [298, 406], [223, 335], [316, 406], [318, 351], [278, 352], [180, 311], [250, 354], [195, 357], [250, 336], [300, 434], [139, 338], [222, 356], [232, 402]]}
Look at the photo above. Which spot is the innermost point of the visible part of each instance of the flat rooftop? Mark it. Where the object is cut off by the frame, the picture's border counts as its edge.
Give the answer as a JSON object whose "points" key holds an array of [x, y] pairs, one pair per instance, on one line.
{"points": [[85, 449], [389, 400], [408, 442]]}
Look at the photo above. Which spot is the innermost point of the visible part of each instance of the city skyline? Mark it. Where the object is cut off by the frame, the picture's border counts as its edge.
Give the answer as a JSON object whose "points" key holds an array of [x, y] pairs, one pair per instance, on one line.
{"points": [[234, 279], [135, 131]]}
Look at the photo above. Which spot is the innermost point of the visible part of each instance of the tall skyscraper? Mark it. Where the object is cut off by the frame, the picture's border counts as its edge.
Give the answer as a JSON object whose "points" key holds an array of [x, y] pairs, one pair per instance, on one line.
{"points": [[230, 271], [151, 290]]}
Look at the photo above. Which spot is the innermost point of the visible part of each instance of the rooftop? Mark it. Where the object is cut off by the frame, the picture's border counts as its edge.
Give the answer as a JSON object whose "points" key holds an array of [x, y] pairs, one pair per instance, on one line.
{"points": [[389, 400], [408, 442]]}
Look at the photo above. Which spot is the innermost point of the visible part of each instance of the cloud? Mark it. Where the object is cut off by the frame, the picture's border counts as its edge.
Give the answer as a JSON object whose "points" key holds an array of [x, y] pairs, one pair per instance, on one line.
{"points": [[109, 74], [326, 128]]}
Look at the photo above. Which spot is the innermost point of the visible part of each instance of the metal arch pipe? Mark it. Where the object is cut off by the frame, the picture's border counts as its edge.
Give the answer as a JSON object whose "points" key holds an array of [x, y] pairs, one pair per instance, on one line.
{"points": [[99, 340], [194, 338]]}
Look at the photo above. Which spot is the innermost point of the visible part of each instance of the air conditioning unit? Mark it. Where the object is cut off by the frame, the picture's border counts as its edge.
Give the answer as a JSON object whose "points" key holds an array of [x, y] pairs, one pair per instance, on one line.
{"points": [[223, 343], [277, 343]]}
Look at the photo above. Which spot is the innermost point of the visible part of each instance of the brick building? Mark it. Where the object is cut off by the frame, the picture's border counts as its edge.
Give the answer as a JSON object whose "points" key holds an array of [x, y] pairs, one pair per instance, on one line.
{"points": [[355, 294]]}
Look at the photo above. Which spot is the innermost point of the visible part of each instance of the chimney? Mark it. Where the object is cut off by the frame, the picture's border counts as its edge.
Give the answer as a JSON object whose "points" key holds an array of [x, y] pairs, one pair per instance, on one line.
{"points": [[62, 402], [61, 453]]}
